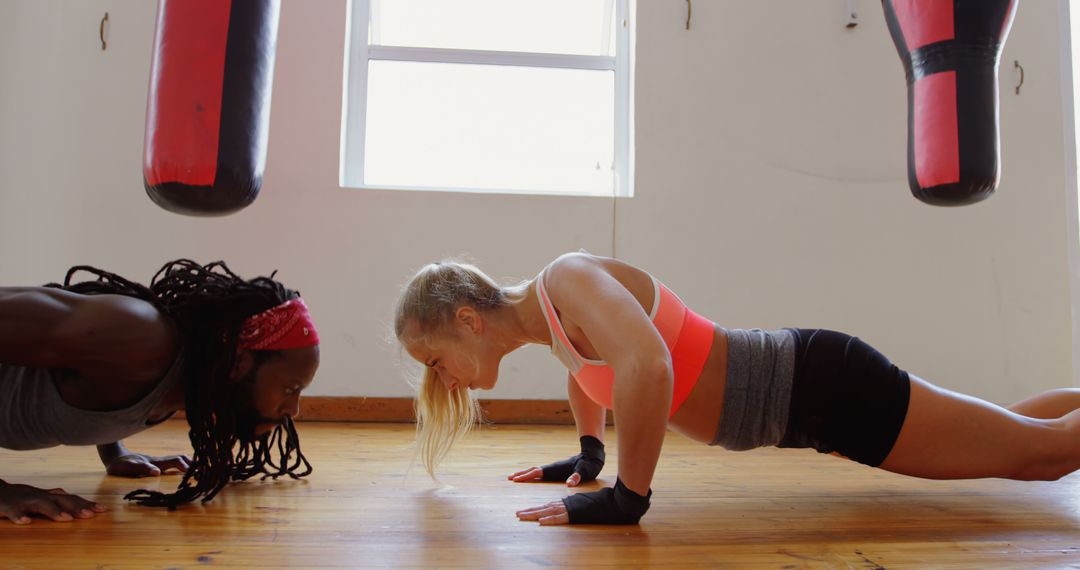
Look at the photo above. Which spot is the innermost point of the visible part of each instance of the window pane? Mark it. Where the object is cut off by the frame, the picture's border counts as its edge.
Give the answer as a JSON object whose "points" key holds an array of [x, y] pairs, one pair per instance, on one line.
{"points": [[489, 127], [580, 27]]}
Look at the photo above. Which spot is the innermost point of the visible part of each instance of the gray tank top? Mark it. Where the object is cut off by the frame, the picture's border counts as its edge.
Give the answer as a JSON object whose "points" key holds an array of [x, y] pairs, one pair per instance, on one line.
{"points": [[34, 416]]}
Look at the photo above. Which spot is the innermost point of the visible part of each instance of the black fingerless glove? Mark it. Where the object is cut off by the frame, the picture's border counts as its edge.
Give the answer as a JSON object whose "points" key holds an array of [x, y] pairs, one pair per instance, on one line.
{"points": [[588, 463], [610, 505]]}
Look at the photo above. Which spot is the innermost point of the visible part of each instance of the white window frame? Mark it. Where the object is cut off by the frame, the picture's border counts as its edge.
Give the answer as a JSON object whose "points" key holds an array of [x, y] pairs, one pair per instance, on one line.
{"points": [[354, 100]]}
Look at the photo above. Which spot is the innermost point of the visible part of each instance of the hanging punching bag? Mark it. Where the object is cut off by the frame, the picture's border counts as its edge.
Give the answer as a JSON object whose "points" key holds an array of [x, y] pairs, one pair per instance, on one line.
{"points": [[209, 105], [950, 50]]}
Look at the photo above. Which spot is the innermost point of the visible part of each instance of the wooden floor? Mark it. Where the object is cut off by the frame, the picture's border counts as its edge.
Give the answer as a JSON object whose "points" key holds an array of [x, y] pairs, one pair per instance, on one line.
{"points": [[711, 508]]}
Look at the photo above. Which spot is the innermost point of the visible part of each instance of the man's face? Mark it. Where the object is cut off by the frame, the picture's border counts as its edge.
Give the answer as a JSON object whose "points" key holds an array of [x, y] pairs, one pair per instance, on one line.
{"points": [[267, 391]]}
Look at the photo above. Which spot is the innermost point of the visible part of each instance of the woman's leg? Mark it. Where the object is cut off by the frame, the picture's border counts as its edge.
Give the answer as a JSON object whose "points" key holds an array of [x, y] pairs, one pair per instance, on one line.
{"points": [[1049, 405], [947, 435]]}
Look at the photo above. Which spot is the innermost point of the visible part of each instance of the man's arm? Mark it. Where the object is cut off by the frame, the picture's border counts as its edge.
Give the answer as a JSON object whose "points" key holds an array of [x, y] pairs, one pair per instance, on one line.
{"points": [[107, 338], [99, 336]]}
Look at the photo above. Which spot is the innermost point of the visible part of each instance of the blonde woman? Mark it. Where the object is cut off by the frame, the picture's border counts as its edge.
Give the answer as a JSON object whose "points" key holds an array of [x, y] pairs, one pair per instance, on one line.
{"points": [[631, 345]]}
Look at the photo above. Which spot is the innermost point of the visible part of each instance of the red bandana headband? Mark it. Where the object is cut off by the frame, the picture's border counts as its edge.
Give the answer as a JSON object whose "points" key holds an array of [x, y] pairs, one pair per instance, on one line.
{"points": [[285, 326]]}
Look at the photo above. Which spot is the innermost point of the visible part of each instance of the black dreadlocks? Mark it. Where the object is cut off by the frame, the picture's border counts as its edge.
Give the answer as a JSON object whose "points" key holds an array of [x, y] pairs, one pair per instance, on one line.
{"points": [[209, 303]]}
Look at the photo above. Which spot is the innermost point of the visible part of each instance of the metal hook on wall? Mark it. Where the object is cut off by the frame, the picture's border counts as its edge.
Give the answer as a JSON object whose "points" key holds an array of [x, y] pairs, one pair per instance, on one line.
{"points": [[689, 12], [101, 32], [851, 15], [1017, 66]]}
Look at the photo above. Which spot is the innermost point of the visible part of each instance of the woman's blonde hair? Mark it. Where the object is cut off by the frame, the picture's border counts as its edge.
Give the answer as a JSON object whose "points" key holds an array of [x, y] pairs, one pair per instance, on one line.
{"points": [[430, 300]]}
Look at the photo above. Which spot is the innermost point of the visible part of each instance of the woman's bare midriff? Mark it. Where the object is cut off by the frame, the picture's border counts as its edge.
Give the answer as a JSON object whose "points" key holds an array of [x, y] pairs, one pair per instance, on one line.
{"points": [[699, 415]]}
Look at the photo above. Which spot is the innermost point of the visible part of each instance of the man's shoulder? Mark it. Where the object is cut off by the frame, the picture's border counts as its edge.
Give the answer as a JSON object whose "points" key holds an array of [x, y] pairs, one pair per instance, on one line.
{"points": [[129, 334]]}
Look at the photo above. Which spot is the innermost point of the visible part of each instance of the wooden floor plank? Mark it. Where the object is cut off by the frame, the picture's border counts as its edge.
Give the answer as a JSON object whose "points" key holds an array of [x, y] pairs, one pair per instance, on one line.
{"points": [[711, 508]]}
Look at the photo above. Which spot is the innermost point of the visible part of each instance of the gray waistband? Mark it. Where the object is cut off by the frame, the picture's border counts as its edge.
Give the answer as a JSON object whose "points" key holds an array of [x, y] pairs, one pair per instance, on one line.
{"points": [[757, 395]]}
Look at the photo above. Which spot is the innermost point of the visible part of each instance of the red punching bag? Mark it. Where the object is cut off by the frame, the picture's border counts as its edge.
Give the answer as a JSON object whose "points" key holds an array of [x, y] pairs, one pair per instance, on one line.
{"points": [[209, 106], [950, 50]]}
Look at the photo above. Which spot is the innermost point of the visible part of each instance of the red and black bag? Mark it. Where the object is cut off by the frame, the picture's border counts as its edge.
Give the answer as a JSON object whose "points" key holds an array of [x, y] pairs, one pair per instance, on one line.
{"points": [[207, 118], [950, 50]]}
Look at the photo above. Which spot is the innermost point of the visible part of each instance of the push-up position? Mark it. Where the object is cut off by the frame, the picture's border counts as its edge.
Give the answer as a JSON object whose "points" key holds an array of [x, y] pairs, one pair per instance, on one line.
{"points": [[631, 345], [92, 362]]}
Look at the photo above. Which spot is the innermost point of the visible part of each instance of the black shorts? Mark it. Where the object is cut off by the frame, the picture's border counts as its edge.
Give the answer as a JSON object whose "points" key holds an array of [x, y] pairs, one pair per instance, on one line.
{"points": [[846, 397]]}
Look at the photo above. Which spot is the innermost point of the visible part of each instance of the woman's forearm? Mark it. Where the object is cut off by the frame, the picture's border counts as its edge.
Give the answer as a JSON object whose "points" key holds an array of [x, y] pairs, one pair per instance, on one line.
{"points": [[589, 417], [642, 401]]}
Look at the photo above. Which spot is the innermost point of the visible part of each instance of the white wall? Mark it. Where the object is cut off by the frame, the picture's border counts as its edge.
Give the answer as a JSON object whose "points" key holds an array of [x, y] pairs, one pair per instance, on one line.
{"points": [[770, 191], [779, 142]]}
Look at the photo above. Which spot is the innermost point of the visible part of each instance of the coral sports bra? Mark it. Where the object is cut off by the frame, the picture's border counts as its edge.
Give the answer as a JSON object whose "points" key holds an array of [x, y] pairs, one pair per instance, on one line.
{"points": [[688, 336]]}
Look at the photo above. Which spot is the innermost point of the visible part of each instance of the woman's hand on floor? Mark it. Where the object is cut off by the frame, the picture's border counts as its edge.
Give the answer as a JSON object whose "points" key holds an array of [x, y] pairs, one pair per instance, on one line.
{"points": [[549, 514], [581, 468], [536, 474], [609, 505]]}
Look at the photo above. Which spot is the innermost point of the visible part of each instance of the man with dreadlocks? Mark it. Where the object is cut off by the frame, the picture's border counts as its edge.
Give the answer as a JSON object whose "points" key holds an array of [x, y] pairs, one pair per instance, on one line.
{"points": [[92, 362]]}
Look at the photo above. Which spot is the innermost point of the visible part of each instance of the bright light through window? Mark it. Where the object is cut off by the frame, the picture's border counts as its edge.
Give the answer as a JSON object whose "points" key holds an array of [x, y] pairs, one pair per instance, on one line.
{"points": [[582, 27], [488, 127], [525, 96]]}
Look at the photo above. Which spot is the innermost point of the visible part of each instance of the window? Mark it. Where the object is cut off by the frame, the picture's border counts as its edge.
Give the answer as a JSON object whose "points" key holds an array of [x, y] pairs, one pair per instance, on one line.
{"points": [[523, 96]]}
